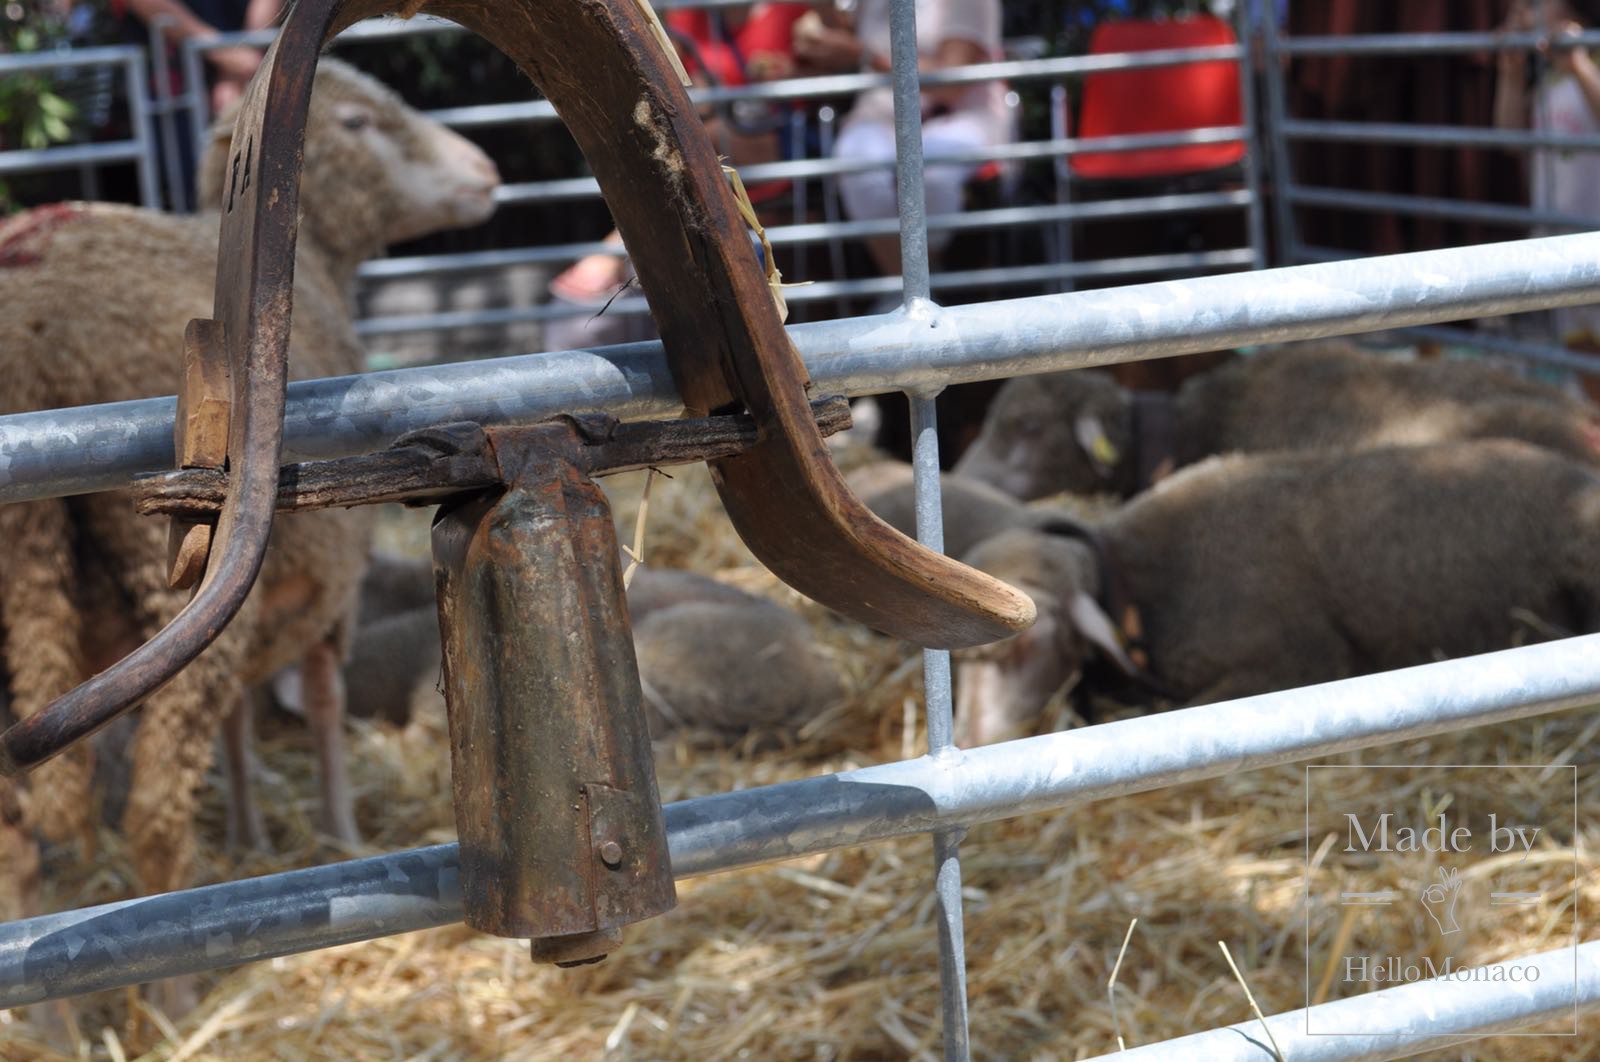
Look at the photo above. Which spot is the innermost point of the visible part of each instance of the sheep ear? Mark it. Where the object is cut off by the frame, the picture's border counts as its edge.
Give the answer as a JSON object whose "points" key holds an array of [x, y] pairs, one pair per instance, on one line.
{"points": [[1093, 624], [1094, 441]]}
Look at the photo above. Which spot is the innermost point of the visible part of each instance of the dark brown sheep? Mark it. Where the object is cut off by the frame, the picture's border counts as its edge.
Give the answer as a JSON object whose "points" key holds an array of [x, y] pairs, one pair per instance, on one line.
{"points": [[711, 656], [973, 511], [1081, 432], [1264, 572]]}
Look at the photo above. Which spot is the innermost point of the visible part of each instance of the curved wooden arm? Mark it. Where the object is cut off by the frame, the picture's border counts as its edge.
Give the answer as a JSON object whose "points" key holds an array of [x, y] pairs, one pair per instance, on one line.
{"points": [[661, 178]]}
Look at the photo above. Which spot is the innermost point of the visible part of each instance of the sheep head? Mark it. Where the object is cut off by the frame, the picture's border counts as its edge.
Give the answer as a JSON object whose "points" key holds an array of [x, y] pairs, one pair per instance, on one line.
{"points": [[1002, 689], [376, 171], [1065, 431]]}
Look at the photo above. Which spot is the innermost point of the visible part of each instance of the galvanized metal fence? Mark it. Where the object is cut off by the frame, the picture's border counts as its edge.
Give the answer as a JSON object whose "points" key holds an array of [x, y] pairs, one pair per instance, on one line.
{"points": [[87, 159], [1043, 75], [1290, 192], [919, 348]]}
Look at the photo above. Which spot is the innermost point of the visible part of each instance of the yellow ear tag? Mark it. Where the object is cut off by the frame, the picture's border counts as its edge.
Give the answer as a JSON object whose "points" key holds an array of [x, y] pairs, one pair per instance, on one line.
{"points": [[1104, 452]]}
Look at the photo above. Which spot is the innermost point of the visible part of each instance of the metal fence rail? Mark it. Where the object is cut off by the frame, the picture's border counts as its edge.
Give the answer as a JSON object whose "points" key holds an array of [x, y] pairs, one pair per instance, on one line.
{"points": [[1146, 206], [138, 149], [1433, 1019], [1290, 192], [1020, 72], [102, 447], [220, 925]]}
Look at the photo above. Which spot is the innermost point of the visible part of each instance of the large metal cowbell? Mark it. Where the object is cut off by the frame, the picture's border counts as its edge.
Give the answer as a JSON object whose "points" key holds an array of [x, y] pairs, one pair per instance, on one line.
{"points": [[562, 837]]}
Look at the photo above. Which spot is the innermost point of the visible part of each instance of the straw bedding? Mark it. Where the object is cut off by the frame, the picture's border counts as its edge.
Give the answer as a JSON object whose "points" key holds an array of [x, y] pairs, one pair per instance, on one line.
{"points": [[833, 956]]}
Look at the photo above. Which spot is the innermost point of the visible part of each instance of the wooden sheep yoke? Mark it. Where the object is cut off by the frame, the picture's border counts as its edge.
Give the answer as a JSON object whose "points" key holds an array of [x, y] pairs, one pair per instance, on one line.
{"points": [[599, 63], [524, 548]]}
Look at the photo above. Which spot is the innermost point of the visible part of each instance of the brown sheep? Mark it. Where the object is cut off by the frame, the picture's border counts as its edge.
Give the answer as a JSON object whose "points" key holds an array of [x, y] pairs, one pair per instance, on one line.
{"points": [[98, 297], [1255, 573], [973, 511], [394, 647], [714, 657], [1079, 431], [710, 655]]}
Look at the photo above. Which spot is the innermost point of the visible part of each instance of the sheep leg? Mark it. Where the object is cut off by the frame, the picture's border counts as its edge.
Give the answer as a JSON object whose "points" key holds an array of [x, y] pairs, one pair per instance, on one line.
{"points": [[323, 685], [171, 754], [246, 828]]}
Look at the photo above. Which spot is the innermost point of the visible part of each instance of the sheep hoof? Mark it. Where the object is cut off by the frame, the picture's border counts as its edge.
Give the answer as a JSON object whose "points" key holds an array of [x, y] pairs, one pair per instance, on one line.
{"points": [[339, 823], [247, 832]]}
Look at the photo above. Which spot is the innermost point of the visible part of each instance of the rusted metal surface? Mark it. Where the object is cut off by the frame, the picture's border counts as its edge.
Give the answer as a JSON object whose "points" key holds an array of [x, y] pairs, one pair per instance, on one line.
{"points": [[554, 783], [421, 468], [428, 466]]}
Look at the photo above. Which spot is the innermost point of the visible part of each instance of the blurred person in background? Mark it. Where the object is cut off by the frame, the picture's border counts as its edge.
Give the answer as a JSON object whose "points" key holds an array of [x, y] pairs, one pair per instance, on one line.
{"points": [[727, 46], [852, 35], [1564, 101], [204, 20], [229, 69]]}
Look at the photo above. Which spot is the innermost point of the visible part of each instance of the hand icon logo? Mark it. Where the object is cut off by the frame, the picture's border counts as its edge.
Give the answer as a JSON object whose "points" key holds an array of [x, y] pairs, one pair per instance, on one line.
{"points": [[1439, 900]]}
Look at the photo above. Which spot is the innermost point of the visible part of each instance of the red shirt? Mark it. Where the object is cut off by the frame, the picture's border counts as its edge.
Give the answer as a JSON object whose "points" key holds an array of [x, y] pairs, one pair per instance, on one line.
{"points": [[768, 29]]}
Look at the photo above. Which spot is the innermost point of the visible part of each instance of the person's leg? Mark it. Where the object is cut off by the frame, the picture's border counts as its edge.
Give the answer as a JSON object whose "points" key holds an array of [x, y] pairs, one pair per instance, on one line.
{"points": [[870, 194], [944, 184]]}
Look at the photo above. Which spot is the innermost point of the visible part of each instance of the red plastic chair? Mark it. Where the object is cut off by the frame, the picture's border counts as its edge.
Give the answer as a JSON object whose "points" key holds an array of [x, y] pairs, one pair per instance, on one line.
{"points": [[1160, 99]]}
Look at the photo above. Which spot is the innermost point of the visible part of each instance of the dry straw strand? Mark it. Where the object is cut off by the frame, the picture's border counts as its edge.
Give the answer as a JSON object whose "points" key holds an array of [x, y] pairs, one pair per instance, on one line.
{"points": [[636, 551], [153, 1014], [1341, 940], [1111, 984], [113, 1045], [659, 32], [1262, 1018], [747, 211]]}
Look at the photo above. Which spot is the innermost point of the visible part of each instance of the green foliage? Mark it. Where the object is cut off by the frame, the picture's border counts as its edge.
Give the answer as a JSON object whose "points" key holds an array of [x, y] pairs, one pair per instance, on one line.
{"points": [[32, 113]]}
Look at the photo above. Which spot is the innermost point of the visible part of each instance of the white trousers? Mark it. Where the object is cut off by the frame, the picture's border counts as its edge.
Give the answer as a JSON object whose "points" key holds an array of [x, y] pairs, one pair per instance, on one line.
{"points": [[871, 194]]}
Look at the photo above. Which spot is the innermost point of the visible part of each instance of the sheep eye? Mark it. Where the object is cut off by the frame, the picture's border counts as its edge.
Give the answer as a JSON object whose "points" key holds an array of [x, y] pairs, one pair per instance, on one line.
{"points": [[356, 122]]}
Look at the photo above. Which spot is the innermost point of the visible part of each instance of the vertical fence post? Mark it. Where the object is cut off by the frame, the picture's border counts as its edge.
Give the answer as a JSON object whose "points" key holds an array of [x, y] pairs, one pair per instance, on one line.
{"points": [[1246, 25], [1286, 240], [171, 157], [1060, 104], [916, 287], [939, 711], [908, 152], [196, 99], [139, 118], [802, 205]]}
